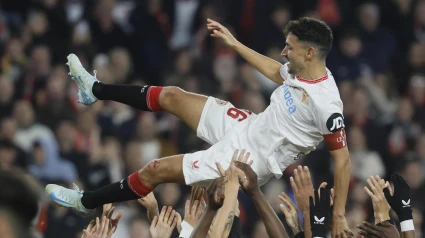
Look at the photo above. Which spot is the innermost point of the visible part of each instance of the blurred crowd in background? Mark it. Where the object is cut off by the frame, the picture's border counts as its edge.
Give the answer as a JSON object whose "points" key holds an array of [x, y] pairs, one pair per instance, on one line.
{"points": [[377, 60]]}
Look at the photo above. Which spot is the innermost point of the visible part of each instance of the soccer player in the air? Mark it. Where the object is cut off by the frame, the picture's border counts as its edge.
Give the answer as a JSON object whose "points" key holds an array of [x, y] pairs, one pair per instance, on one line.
{"points": [[305, 109]]}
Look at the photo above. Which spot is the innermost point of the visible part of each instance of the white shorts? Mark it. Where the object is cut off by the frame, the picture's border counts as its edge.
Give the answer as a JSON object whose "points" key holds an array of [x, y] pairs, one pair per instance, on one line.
{"points": [[223, 126]]}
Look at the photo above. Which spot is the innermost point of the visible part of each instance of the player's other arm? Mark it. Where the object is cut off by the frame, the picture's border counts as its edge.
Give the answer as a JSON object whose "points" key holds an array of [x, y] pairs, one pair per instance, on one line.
{"points": [[267, 66], [342, 172]]}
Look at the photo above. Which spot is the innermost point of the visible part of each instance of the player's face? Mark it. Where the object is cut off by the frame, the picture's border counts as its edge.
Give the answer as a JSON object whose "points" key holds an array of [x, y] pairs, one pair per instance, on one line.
{"points": [[294, 52]]}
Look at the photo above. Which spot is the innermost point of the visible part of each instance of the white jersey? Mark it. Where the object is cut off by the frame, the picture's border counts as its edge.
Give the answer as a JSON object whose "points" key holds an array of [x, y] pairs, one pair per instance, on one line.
{"points": [[300, 114]]}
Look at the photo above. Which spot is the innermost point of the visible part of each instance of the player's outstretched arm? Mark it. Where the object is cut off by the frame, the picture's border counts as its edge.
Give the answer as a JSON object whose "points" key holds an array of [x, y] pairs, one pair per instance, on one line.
{"points": [[274, 226], [267, 66], [342, 175], [215, 201]]}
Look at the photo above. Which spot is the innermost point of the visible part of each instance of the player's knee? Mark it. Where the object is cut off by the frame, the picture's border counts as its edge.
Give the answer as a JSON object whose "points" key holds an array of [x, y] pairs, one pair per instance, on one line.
{"points": [[170, 95], [153, 173]]}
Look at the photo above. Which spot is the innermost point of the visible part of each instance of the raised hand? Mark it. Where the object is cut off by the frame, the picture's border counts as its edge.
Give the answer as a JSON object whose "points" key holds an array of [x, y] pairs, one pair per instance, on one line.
{"points": [[400, 202], [193, 213], [291, 213], [108, 211], [215, 194], [233, 170], [151, 205], [320, 212], [100, 229], [248, 182], [302, 186], [163, 226], [383, 230], [219, 31], [197, 193], [380, 204]]}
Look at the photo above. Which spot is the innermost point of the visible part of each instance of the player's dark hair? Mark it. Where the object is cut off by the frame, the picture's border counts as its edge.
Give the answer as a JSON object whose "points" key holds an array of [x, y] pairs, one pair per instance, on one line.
{"points": [[312, 31]]}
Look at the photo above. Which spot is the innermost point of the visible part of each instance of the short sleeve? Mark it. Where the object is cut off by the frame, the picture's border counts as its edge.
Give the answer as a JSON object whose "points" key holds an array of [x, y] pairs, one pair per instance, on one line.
{"points": [[330, 122], [284, 72], [329, 118]]}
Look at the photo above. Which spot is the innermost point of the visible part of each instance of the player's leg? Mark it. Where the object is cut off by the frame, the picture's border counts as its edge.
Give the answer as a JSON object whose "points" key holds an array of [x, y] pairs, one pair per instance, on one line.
{"points": [[138, 184], [186, 106]]}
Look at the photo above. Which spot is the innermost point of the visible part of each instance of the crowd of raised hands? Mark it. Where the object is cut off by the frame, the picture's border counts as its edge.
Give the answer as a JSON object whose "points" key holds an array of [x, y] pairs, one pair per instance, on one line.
{"points": [[218, 216]]}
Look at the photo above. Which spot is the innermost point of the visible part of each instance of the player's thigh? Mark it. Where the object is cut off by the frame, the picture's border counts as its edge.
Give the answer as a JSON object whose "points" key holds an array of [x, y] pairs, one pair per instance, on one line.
{"points": [[218, 118], [184, 105], [165, 170]]}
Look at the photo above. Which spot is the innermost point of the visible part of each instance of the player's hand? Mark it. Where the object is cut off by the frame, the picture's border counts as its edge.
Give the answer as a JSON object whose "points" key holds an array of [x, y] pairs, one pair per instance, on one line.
{"points": [[194, 212], [108, 211], [382, 230], [233, 172], [380, 204], [219, 31], [163, 226], [248, 181], [340, 227], [302, 186], [151, 205], [291, 213], [400, 202], [197, 194], [100, 229], [215, 194]]}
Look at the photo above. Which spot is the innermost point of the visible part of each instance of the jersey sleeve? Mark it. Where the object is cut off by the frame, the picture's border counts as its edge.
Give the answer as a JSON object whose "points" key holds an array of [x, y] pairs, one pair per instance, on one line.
{"points": [[284, 72], [330, 122]]}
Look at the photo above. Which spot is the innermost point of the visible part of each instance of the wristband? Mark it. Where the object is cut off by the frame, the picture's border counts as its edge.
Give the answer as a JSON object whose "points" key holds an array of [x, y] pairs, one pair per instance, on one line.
{"points": [[186, 229], [407, 225]]}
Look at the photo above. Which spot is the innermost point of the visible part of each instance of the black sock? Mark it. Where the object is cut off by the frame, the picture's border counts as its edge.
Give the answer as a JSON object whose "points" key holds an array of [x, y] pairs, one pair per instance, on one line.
{"points": [[131, 95], [116, 192]]}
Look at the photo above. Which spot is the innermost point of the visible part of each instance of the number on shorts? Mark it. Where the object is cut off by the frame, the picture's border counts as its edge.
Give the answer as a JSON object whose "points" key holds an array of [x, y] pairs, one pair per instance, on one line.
{"points": [[238, 114]]}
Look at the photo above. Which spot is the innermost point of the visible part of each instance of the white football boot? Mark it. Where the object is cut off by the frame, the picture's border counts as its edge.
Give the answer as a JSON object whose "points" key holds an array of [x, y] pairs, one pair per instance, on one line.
{"points": [[70, 198], [83, 79]]}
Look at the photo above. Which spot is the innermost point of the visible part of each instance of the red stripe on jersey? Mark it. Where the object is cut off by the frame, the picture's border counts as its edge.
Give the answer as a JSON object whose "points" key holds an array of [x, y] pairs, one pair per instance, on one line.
{"points": [[312, 81], [336, 140]]}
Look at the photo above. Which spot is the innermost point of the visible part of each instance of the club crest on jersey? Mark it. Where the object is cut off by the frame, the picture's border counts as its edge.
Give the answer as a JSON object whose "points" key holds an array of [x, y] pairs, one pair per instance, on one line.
{"points": [[335, 122], [304, 97]]}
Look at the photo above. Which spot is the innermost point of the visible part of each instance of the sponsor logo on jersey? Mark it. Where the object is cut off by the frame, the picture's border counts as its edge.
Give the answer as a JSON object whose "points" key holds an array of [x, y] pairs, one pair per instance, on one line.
{"points": [[342, 138], [221, 102], [335, 122], [289, 101]]}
